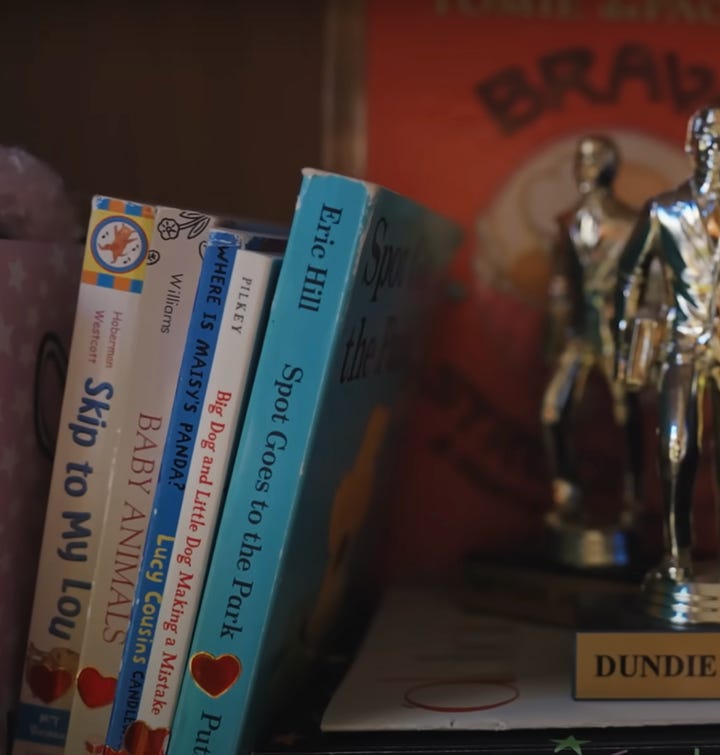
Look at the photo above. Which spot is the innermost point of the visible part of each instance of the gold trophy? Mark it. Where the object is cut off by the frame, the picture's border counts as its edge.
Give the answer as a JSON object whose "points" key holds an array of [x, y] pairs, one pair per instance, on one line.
{"points": [[591, 238], [678, 232]]}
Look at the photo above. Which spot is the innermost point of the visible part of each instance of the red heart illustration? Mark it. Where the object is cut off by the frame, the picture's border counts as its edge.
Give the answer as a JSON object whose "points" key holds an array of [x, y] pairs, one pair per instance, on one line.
{"points": [[214, 675], [48, 684], [95, 690], [140, 739]]}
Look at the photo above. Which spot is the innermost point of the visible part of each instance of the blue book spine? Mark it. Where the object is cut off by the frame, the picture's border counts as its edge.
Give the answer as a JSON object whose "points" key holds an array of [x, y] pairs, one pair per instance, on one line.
{"points": [[193, 376], [303, 330]]}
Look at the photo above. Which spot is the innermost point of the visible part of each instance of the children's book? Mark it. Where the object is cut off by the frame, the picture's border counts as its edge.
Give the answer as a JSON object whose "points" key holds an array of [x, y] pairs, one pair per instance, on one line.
{"points": [[226, 324], [346, 322], [38, 294], [94, 409], [177, 245], [241, 330]]}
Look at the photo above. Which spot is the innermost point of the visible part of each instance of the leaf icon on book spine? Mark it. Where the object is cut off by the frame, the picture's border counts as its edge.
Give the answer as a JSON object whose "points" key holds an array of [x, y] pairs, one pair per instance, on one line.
{"points": [[95, 690], [215, 675]]}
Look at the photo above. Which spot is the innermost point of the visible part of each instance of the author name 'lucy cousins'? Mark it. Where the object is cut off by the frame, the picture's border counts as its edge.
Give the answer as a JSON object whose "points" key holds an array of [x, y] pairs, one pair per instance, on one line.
{"points": [[151, 599]]}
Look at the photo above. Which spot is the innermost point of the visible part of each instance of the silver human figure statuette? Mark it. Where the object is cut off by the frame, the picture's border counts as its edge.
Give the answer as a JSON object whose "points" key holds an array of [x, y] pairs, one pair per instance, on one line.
{"points": [[679, 231], [591, 237]]}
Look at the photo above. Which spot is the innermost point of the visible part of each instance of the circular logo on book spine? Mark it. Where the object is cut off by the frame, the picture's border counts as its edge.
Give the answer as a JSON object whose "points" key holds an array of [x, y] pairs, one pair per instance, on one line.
{"points": [[118, 244]]}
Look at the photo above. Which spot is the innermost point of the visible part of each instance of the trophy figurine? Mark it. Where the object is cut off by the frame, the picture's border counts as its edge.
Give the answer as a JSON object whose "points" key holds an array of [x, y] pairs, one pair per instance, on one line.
{"points": [[678, 231], [591, 238]]}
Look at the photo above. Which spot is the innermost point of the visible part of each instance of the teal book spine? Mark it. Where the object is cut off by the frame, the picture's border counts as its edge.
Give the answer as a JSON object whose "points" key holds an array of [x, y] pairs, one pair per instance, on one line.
{"points": [[302, 331], [197, 360]]}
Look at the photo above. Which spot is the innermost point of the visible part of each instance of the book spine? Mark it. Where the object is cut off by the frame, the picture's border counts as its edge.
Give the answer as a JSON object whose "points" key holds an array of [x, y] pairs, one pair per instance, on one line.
{"points": [[92, 414], [241, 333], [169, 290], [184, 420], [301, 335]]}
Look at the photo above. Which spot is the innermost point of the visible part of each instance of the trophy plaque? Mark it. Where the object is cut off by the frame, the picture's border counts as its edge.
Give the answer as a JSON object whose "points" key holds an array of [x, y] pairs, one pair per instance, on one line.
{"points": [[623, 654]]}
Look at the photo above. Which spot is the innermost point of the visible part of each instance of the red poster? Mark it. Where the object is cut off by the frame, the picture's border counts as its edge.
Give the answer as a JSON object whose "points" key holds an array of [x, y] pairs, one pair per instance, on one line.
{"points": [[475, 108]]}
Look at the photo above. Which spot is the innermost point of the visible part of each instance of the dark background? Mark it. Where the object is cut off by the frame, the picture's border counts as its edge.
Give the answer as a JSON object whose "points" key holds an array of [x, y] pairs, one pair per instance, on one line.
{"points": [[205, 105]]}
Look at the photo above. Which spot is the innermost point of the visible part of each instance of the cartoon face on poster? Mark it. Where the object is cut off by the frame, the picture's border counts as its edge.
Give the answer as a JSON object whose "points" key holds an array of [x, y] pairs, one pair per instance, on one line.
{"points": [[475, 108]]}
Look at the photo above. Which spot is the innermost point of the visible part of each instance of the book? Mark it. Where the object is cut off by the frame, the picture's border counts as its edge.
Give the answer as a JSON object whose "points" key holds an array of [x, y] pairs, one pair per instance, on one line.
{"points": [[192, 379], [214, 287], [37, 307], [241, 331], [177, 245], [93, 410], [361, 266]]}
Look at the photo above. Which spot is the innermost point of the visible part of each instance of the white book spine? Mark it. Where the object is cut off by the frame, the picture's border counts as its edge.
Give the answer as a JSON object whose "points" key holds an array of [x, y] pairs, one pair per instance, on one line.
{"points": [[95, 405], [175, 258], [242, 328]]}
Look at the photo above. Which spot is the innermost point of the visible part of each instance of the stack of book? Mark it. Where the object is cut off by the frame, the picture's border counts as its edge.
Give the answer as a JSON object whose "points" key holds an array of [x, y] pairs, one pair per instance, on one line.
{"points": [[224, 426]]}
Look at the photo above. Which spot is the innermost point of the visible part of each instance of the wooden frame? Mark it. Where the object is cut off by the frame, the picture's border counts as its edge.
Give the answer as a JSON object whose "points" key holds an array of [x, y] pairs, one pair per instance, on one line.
{"points": [[344, 137]]}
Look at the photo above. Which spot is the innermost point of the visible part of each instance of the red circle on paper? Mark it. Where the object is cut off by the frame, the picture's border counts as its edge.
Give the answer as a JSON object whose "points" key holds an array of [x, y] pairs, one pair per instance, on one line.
{"points": [[506, 694]]}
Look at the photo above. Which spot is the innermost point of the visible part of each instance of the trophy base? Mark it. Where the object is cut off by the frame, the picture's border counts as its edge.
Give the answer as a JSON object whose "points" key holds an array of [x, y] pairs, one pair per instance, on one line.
{"points": [[536, 590], [683, 602], [622, 653], [589, 546]]}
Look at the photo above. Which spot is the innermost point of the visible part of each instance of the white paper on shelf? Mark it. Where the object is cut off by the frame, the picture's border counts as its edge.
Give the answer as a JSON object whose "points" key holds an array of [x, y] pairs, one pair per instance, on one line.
{"points": [[428, 664]]}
